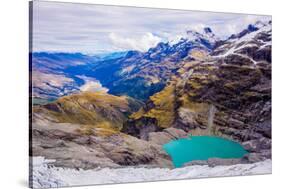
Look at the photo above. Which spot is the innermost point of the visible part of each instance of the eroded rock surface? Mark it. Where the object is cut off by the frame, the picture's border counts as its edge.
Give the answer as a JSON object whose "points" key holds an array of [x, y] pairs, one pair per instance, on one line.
{"points": [[166, 135], [72, 149]]}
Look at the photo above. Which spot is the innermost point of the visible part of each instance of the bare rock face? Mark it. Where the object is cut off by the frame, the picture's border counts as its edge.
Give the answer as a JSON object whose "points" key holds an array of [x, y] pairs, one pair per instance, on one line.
{"points": [[176, 133], [83, 131], [141, 128], [166, 135], [159, 137], [72, 149]]}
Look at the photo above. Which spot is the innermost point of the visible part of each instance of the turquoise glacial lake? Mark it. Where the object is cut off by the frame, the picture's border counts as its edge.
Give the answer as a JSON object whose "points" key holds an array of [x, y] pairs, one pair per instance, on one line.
{"points": [[202, 148]]}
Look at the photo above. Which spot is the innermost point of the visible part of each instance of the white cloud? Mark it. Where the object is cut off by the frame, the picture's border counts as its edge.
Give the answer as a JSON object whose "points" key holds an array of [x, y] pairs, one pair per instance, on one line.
{"points": [[72, 27], [140, 43], [91, 85]]}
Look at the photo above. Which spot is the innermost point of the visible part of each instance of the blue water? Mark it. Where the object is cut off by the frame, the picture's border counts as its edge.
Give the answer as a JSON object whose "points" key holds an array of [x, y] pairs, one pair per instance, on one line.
{"points": [[202, 148]]}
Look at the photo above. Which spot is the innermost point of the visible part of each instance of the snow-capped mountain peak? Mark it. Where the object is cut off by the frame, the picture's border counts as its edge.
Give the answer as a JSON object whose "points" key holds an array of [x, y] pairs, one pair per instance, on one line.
{"points": [[251, 28], [205, 38], [255, 38], [260, 24], [205, 35]]}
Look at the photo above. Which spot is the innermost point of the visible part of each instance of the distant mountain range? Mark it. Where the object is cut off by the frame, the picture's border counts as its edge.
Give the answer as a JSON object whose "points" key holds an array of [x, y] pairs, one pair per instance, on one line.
{"points": [[131, 73]]}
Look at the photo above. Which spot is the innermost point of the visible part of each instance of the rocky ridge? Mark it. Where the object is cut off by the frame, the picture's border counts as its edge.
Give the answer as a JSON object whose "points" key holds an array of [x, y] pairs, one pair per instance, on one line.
{"points": [[226, 93]]}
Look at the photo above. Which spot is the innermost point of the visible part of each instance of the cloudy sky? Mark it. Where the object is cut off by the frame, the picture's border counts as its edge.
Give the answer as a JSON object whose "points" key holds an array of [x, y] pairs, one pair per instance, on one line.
{"points": [[91, 29]]}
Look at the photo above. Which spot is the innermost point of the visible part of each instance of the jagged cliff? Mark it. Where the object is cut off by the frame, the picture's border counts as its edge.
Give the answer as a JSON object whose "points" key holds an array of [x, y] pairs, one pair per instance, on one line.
{"points": [[225, 93]]}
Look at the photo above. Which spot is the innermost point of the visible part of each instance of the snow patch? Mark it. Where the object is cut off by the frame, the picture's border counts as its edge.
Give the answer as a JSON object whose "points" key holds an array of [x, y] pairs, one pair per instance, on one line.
{"points": [[46, 175], [246, 40]]}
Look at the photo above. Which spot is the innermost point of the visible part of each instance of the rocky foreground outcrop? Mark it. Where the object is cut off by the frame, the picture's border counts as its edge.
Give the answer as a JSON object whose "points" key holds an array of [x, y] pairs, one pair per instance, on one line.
{"points": [[226, 93], [82, 131], [64, 143]]}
